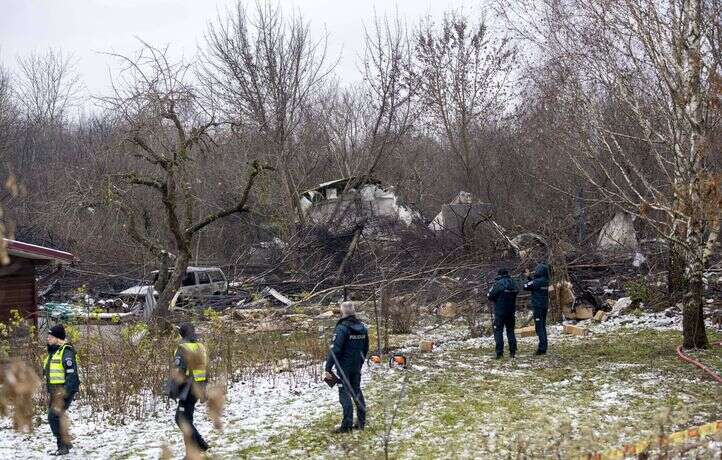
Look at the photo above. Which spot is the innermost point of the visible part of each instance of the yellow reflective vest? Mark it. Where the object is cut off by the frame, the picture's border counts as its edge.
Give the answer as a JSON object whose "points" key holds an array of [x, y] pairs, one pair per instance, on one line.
{"points": [[198, 351], [56, 371]]}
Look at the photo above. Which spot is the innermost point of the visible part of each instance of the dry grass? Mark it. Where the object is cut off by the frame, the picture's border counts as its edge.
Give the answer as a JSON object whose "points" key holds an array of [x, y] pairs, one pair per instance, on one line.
{"points": [[122, 371]]}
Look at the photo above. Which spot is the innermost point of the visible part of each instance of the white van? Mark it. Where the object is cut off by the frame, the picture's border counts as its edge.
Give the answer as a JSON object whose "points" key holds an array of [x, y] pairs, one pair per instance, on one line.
{"points": [[202, 280], [197, 281]]}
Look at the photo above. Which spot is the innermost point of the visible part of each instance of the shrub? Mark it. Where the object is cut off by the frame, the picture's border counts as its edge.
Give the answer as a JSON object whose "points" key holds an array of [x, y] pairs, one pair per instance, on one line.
{"points": [[402, 314], [638, 291], [123, 367]]}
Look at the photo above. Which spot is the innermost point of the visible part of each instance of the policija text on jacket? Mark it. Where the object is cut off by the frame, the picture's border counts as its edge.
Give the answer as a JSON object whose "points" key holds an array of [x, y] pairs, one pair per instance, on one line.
{"points": [[347, 354]]}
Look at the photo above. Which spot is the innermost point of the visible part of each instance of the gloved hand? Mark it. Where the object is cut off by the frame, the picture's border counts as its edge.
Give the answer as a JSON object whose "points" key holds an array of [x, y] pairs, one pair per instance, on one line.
{"points": [[330, 379]]}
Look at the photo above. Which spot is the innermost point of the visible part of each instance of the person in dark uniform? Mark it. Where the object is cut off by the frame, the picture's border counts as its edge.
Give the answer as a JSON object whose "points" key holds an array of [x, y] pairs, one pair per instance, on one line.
{"points": [[60, 369], [191, 362], [347, 354], [538, 284], [503, 293]]}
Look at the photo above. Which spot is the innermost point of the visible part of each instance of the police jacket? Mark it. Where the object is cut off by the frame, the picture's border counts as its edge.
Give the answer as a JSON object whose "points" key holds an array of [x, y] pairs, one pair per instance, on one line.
{"points": [[60, 369], [539, 287], [503, 293], [191, 360], [350, 345]]}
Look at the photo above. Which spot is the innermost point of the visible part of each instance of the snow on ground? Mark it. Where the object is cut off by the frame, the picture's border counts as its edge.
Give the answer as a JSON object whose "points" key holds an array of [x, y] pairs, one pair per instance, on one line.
{"points": [[255, 410], [270, 410]]}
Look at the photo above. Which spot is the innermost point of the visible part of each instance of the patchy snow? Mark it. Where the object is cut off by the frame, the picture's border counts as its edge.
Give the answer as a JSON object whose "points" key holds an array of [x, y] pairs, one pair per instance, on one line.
{"points": [[610, 395], [656, 321], [255, 411], [272, 405]]}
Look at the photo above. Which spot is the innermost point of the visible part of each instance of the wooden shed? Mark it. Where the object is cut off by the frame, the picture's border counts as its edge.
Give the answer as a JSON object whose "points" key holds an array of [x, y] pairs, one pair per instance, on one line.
{"points": [[18, 290]]}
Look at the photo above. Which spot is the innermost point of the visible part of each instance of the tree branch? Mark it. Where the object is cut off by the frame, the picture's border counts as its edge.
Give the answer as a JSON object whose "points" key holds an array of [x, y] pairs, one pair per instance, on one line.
{"points": [[239, 207]]}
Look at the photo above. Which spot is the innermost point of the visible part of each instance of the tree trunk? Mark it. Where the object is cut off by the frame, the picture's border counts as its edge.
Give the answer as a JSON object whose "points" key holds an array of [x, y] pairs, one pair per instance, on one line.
{"points": [[384, 299], [349, 254], [676, 278], [174, 283], [695, 335], [294, 198], [554, 312], [379, 351], [162, 280]]}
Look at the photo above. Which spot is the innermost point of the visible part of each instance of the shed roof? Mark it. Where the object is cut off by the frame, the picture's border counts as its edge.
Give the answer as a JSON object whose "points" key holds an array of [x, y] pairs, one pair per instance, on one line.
{"points": [[31, 251]]}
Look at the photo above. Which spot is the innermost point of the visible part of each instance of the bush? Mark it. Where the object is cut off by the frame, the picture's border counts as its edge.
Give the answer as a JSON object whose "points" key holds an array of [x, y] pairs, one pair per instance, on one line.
{"points": [[641, 292], [402, 314], [123, 367], [638, 291], [16, 333]]}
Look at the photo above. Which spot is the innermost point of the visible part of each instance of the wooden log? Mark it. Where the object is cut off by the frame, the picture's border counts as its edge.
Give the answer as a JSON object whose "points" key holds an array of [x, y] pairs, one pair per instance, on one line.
{"points": [[528, 331], [575, 330], [584, 311], [426, 346], [448, 310]]}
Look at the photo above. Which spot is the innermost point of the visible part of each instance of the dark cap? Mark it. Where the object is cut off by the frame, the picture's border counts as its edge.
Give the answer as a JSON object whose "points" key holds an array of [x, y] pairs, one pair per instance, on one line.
{"points": [[503, 272], [58, 331], [187, 330]]}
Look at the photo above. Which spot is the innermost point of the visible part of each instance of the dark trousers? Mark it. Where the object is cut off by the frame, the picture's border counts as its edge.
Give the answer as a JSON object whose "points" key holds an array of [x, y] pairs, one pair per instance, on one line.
{"points": [[55, 413], [540, 326], [502, 321], [348, 397], [184, 417]]}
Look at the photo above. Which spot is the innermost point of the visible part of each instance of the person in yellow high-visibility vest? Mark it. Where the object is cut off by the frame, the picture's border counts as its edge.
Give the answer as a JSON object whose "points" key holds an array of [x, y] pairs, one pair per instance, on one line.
{"points": [[60, 369], [191, 362]]}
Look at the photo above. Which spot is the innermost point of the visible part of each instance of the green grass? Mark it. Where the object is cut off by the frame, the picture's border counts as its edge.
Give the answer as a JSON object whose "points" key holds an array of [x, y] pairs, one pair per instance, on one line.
{"points": [[461, 403]]}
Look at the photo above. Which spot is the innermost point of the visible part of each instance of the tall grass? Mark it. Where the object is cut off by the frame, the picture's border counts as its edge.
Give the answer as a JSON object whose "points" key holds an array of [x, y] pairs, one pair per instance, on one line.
{"points": [[123, 368]]}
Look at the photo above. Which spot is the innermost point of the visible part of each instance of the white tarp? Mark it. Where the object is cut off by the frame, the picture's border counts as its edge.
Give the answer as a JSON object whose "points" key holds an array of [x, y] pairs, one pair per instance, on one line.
{"points": [[137, 291], [618, 234]]}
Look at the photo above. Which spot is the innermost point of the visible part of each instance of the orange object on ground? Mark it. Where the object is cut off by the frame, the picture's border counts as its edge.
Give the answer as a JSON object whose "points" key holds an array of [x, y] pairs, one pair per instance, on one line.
{"points": [[397, 360]]}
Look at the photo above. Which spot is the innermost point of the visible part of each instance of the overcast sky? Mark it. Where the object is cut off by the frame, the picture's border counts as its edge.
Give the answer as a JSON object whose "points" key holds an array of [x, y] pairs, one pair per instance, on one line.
{"points": [[86, 28]]}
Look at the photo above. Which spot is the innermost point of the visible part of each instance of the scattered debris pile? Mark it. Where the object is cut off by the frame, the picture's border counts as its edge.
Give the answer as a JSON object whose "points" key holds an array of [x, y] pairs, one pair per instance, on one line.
{"points": [[461, 214], [351, 203]]}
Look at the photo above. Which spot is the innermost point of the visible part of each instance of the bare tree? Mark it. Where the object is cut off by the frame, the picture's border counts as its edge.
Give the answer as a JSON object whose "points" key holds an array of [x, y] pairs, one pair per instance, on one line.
{"points": [[368, 122], [47, 86], [463, 75], [265, 69], [166, 131], [659, 61], [8, 112], [11, 189]]}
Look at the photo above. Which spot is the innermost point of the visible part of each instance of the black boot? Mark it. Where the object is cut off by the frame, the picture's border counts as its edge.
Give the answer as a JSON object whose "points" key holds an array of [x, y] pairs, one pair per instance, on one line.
{"points": [[62, 450], [537, 353], [342, 429]]}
